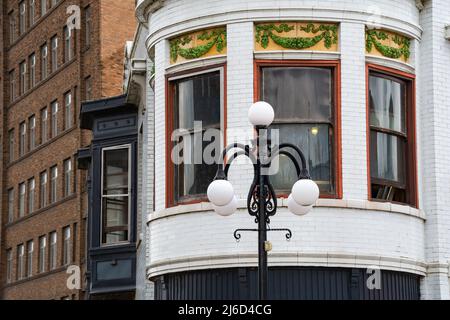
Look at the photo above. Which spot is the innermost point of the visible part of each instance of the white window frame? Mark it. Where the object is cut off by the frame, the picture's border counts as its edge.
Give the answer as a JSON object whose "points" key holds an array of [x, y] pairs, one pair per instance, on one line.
{"points": [[68, 177], [53, 184], [22, 199], [22, 17], [68, 118], [53, 251], [22, 139], [54, 119], [23, 77], [42, 254], [31, 195], [67, 240], [30, 253], [11, 205], [32, 62], [21, 262], [54, 48], [9, 266], [130, 168]]}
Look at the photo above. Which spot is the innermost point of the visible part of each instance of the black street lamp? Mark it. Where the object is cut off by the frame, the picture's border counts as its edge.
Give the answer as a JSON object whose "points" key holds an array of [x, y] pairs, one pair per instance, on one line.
{"points": [[262, 200]]}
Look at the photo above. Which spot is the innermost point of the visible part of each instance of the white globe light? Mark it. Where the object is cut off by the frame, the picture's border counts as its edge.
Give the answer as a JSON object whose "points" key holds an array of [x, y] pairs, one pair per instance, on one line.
{"points": [[305, 192], [220, 192], [297, 209], [227, 210], [261, 114]]}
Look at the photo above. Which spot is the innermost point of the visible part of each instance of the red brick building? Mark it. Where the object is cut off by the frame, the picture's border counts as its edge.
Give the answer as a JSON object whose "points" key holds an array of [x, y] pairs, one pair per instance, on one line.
{"points": [[49, 68]]}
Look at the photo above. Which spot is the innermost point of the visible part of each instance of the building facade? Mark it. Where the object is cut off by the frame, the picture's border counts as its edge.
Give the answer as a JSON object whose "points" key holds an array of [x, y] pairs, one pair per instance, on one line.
{"points": [[360, 86], [55, 55]]}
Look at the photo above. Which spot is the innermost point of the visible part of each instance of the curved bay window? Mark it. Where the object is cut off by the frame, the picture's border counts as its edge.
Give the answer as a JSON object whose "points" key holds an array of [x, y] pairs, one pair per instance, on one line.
{"points": [[195, 105], [304, 99], [116, 191], [391, 120]]}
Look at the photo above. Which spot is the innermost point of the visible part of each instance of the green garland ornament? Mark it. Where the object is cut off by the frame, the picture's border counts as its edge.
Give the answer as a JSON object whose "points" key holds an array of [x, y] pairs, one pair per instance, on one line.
{"points": [[328, 33], [217, 37], [373, 38]]}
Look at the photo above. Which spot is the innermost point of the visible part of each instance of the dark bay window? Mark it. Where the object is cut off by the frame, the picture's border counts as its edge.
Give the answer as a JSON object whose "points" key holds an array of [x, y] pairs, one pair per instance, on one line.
{"points": [[116, 192], [193, 100], [304, 101], [391, 139]]}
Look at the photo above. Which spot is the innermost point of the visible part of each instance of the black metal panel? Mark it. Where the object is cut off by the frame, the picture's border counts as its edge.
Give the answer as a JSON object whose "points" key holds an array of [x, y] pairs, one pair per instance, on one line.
{"points": [[286, 284]]}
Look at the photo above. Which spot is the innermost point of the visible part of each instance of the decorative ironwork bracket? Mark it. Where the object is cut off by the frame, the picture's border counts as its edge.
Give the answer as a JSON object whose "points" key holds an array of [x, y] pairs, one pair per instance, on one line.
{"points": [[238, 236]]}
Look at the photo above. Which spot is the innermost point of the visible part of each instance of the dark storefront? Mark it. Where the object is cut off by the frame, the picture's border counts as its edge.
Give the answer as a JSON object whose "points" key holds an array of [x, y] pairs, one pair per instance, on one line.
{"points": [[287, 284]]}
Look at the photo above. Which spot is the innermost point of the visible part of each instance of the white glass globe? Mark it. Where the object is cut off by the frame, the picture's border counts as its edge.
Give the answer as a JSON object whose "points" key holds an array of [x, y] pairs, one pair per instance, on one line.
{"points": [[227, 210], [220, 192], [261, 114], [305, 192], [297, 209]]}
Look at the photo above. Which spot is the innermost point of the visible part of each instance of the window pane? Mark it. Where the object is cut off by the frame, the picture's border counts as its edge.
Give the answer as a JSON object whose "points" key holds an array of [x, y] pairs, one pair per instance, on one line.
{"points": [[299, 93], [387, 157], [387, 104], [316, 143], [197, 99], [115, 172], [115, 219]]}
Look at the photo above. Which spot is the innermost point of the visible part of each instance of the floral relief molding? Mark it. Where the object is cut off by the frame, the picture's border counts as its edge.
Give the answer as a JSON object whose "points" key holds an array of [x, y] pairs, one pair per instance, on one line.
{"points": [[194, 46], [389, 45], [326, 32]]}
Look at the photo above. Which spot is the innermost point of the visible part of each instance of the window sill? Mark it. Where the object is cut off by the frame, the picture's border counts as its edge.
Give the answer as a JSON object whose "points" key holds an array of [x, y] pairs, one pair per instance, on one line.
{"points": [[282, 203], [42, 146], [35, 277], [40, 211], [34, 26], [40, 84]]}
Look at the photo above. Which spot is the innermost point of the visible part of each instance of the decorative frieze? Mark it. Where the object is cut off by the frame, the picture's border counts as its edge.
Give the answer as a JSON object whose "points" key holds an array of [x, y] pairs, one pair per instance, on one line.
{"points": [[199, 44], [387, 44], [296, 36]]}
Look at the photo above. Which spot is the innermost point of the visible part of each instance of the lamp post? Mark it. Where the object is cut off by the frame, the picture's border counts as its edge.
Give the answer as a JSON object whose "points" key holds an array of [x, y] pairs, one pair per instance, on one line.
{"points": [[262, 200]]}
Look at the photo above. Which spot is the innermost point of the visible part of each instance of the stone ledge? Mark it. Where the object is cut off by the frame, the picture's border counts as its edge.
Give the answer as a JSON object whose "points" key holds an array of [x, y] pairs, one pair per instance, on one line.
{"points": [[363, 205]]}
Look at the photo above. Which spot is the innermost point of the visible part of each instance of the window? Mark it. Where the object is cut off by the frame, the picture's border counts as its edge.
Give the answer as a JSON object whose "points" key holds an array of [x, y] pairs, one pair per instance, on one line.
{"points": [[66, 247], [43, 197], [68, 44], [12, 27], [22, 17], [68, 181], [32, 134], [44, 62], [53, 251], [88, 26], [31, 194], [10, 205], [11, 145], [88, 83], [43, 7], [12, 86], [68, 118], [54, 108], [115, 195], [22, 138], [9, 266], [53, 184], [195, 98], [32, 12], [42, 254], [392, 168], [20, 262], [23, 77], [44, 125], [22, 194], [30, 250], [32, 62], [54, 43], [304, 102]]}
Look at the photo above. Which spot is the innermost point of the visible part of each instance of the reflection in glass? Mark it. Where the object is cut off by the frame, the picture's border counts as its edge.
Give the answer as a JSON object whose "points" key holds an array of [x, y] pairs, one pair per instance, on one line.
{"points": [[387, 157], [116, 172], [302, 98], [115, 220], [387, 104], [196, 99]]}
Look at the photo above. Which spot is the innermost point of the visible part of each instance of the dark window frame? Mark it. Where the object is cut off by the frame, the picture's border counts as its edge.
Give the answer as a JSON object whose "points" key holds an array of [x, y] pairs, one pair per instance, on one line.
{"points": [[335, 66], [170, 90], [411, 192]]}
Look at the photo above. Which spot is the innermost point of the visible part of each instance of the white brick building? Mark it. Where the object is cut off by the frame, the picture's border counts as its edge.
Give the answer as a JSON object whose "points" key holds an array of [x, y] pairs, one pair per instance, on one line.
{"points": [[384, 171]]}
